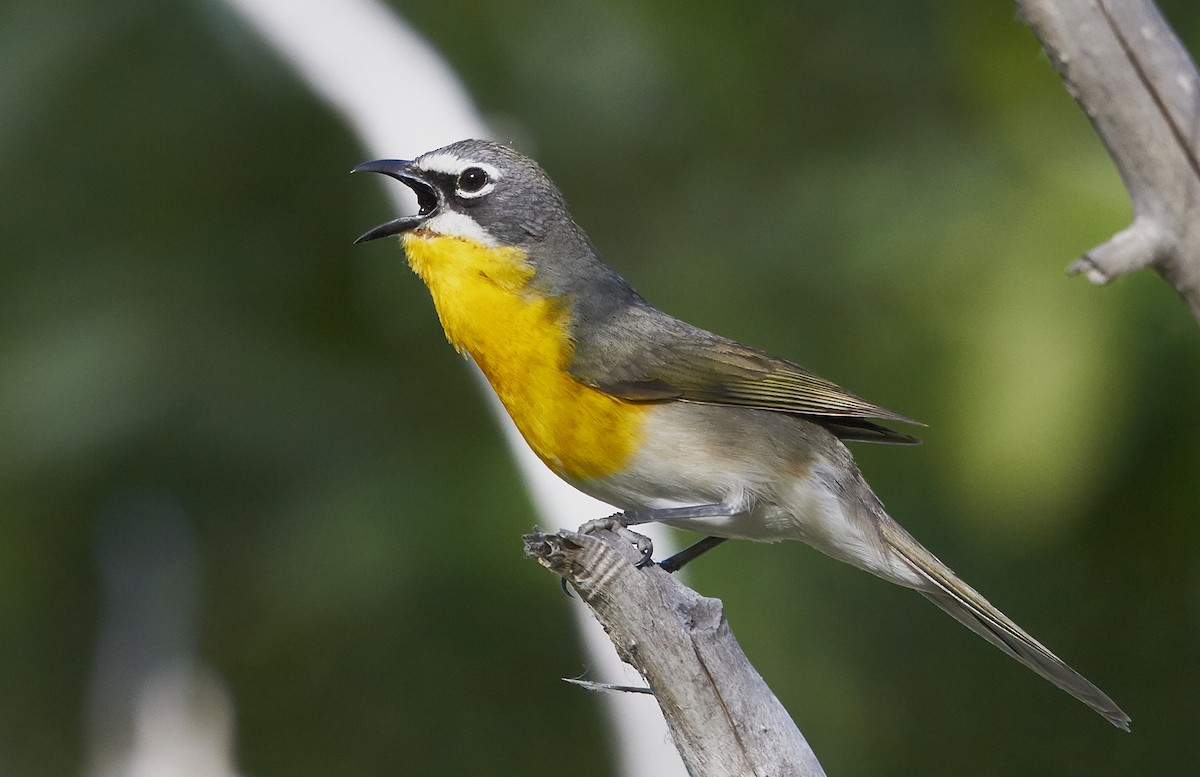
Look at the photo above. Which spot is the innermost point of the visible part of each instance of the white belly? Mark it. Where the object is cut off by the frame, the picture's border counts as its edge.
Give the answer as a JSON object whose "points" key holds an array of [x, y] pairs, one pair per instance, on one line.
{"points": [[783, 478]]}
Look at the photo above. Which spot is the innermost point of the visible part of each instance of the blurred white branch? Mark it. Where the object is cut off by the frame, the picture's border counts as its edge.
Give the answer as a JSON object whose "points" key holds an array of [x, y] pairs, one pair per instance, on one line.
{"points": [[183, 725], [400, 97], [153, 709], [1137, 84]]}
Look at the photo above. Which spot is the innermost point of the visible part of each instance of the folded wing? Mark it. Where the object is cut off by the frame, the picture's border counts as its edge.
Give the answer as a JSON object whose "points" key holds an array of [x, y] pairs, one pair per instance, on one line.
{"points": [[672, 360]]}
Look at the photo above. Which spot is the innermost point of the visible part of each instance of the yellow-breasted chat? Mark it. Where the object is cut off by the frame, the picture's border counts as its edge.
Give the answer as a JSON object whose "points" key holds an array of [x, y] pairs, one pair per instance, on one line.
{"points": [[665, 420]]}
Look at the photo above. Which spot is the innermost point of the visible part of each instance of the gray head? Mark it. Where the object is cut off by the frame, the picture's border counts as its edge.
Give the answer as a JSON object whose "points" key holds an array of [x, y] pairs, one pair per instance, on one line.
{"points": [[479, 191], [489, 194]]}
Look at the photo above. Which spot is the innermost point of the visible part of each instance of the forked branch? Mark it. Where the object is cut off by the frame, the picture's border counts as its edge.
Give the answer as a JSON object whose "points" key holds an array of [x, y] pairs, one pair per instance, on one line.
{"points": [[1135, 81]]}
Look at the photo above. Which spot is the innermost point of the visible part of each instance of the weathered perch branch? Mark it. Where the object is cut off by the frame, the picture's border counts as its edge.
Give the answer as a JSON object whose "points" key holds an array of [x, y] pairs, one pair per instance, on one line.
{"points": [[1137, 84], [724, 719]]}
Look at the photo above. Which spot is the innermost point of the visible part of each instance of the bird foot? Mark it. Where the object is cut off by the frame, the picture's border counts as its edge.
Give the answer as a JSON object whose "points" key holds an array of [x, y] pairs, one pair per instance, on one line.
{"points": [[615, 523]]}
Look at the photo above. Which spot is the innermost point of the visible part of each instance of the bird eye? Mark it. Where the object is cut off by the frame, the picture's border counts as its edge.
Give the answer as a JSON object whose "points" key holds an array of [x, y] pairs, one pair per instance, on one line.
{"points": [[473, 180]]}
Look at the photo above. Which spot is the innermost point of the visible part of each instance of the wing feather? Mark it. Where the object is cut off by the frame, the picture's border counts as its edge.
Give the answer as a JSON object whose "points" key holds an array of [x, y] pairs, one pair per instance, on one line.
{"points": [[675, 361]]}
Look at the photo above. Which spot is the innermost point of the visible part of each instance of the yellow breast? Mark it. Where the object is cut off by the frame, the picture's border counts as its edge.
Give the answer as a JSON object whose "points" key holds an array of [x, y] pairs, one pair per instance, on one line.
{"points": [[519, 339]]}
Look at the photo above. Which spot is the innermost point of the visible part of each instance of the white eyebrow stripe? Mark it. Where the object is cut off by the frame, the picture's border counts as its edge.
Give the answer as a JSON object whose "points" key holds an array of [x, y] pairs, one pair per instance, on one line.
{"points": [[441, 162], [449, 164]]}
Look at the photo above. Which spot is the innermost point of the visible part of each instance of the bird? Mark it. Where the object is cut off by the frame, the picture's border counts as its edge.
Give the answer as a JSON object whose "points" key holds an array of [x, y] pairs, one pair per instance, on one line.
{"points": [[664, 420]]}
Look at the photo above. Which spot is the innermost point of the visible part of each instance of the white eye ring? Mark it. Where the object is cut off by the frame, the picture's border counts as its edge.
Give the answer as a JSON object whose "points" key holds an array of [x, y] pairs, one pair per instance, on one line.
{"points": [[475, 180]]}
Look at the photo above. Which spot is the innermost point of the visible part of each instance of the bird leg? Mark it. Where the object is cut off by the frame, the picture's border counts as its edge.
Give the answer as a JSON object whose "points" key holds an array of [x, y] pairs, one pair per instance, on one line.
{"points": [[619, 523], [691, 552]]}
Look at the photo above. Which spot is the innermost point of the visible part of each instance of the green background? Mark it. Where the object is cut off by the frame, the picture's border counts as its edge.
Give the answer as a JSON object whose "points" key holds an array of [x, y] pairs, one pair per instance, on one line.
{"points": [[200, 375]]}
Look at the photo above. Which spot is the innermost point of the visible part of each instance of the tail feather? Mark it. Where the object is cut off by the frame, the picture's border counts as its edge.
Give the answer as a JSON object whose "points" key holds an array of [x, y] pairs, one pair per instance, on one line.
{"points": [[969, 608]]}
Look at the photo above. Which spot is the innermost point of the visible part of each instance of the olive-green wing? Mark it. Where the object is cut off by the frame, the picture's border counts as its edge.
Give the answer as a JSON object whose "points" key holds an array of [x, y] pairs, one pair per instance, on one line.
{"points": [[692, 365]]}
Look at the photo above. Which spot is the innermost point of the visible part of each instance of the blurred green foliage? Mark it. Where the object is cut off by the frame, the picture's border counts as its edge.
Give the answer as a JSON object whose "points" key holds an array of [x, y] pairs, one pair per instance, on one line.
{"points": [[886, 192]]}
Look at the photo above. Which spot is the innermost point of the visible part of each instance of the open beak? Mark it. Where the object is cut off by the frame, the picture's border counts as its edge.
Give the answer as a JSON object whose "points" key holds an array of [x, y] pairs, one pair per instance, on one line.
{"points": [[428, 198]]}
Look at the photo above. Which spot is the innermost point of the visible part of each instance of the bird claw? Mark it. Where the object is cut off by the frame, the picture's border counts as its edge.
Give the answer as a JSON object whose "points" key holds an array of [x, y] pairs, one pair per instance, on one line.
{"points": [[616, 524]]}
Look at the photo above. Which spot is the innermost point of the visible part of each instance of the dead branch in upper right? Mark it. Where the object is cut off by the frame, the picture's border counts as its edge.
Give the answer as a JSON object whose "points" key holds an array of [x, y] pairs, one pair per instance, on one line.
{"points": [[1134, 79]]}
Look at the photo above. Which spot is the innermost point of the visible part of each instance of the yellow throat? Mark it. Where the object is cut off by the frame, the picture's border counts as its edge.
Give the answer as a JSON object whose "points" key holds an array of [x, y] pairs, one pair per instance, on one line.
{"points": [[520, 341]]}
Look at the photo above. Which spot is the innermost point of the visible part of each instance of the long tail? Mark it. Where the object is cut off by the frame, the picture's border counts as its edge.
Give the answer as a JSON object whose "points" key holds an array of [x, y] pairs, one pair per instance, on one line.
{"points": [[967, 606]]}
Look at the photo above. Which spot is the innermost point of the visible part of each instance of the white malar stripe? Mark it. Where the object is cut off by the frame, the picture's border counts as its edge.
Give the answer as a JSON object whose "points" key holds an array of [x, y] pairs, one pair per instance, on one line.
{"points": [[451, 223]]}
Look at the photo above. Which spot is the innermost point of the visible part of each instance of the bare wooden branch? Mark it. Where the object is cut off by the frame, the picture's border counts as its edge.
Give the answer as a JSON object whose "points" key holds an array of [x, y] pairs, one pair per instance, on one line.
{"points": [[724, 719], [1137, 84]]}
